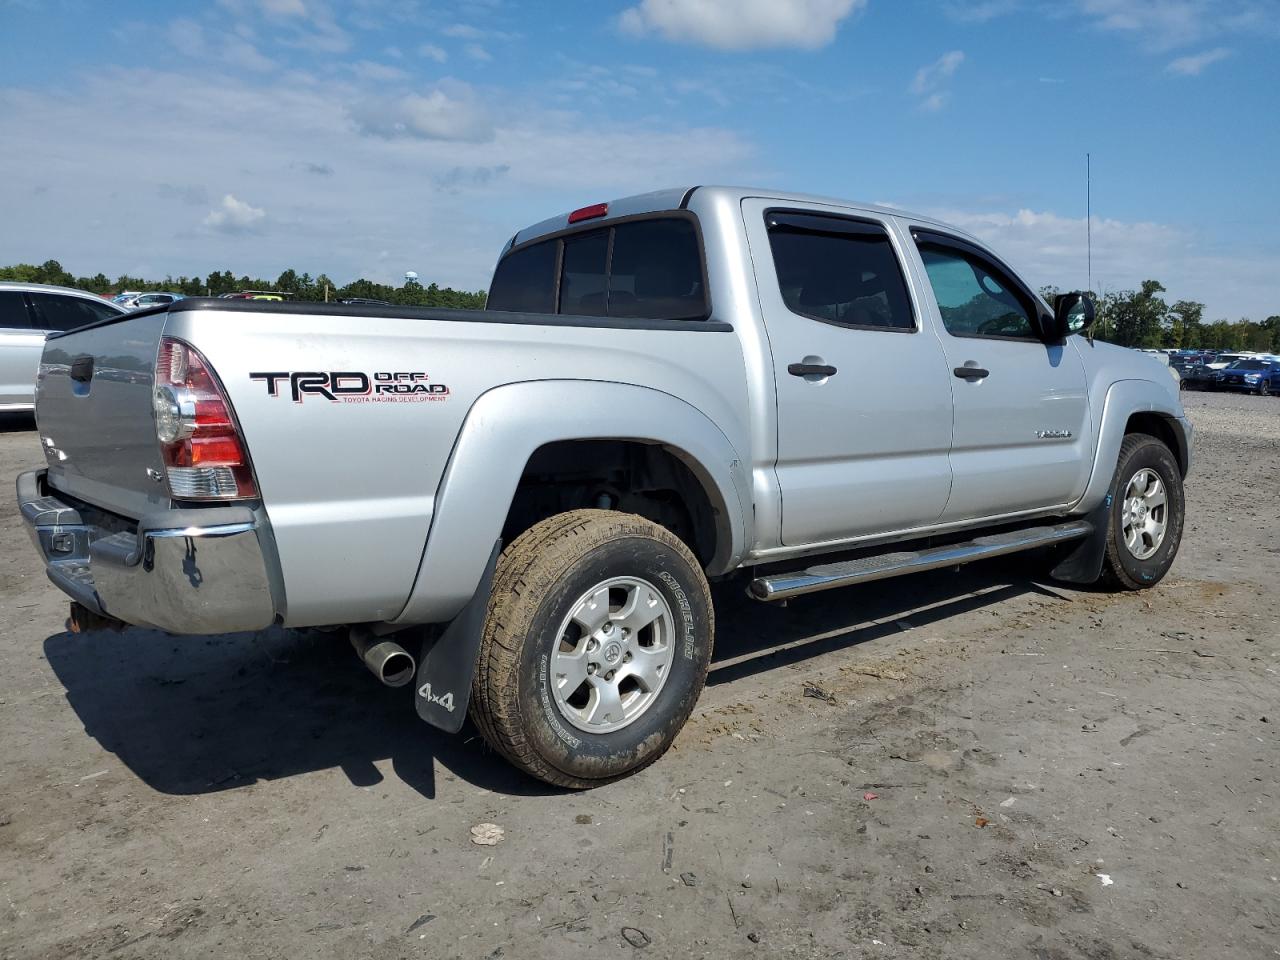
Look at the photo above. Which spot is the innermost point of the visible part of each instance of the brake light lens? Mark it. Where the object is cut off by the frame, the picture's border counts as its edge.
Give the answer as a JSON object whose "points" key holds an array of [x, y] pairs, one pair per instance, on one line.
{"points": [[589, 213], [204, 454]]}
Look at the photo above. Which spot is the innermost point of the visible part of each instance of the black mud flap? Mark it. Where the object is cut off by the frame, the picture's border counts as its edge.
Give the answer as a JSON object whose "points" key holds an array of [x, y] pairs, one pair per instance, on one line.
{"points": [[1084, 563], [446, 668]]}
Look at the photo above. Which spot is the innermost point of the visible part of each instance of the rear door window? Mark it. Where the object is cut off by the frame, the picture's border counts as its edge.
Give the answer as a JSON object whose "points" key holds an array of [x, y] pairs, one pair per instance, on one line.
{"points": [[649, 268], [59, 312], [839, 271], [13, 311]]}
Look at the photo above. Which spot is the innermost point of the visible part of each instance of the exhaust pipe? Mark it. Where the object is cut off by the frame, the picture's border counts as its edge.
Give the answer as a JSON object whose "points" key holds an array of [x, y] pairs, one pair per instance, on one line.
{"points": [[387, 660]]}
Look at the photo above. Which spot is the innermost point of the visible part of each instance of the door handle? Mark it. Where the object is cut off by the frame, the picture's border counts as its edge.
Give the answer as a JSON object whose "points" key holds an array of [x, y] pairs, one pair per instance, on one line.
{"points": [[971, 373], [811, 370], [82, 369]]}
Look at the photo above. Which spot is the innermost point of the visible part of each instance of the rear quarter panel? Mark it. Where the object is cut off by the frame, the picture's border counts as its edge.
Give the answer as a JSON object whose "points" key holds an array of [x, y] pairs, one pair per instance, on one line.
{"points": [[349, 485]]}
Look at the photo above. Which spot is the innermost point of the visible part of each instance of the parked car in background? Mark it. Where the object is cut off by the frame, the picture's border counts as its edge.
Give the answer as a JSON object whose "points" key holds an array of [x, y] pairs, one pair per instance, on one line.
{"points": [[1253, 374], [144, 300], [125, 298], [1161, 355], [1195, 376], [255, 295], [29, 311], [1224, 360]]}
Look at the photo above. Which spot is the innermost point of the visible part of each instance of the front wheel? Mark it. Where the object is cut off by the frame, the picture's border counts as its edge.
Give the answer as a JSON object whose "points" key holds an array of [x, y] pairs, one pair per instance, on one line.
{"points": [[1146, 514], [1264, 388], [595, 648]]}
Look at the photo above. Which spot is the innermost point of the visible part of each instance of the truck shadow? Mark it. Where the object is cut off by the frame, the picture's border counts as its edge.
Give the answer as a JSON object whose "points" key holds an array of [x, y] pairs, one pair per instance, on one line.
{"points": [[193, 715], [753, 638]]}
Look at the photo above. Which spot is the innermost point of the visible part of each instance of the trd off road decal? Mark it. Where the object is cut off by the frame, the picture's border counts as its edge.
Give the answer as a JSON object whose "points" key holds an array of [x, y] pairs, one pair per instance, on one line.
{"points": [[352, 386]]}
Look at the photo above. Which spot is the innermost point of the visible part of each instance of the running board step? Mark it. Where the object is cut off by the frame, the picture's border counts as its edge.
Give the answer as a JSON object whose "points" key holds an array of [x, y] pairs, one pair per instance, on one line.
{"points": [[865, 569]]}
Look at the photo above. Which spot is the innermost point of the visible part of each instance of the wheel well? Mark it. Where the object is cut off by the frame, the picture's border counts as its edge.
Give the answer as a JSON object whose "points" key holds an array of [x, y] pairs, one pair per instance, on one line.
{"points": [[628, 475], [1160, 427]]}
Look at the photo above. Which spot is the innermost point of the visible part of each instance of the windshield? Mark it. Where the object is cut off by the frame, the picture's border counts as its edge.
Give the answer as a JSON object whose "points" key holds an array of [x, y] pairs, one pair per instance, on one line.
{"points": [[1248, 365]]}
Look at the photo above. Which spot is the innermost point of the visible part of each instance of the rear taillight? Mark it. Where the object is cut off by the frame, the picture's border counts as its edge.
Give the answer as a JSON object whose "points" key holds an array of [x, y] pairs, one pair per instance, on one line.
{"points": [[204, 455]]}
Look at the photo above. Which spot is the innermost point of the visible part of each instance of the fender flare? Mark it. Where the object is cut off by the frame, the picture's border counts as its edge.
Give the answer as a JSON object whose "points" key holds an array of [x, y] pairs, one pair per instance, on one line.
{"points": [[1125, 398], [507, 424]]}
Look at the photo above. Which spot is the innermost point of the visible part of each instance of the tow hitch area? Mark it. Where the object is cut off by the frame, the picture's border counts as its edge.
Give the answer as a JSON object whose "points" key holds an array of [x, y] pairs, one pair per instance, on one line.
{"points": [[80, 619]]}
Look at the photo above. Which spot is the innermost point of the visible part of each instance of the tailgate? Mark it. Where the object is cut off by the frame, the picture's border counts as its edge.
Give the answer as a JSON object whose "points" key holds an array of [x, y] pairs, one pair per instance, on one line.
{"points": [[93, 411]]}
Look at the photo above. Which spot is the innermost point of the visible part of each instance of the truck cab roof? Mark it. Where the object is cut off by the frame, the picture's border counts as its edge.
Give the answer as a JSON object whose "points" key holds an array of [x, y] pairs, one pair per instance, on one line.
{"points": [[678, 198]]}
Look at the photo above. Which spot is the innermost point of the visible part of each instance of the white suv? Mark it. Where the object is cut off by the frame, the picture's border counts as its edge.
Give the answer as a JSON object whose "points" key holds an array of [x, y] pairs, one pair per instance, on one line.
{"points": [[28, 312]]}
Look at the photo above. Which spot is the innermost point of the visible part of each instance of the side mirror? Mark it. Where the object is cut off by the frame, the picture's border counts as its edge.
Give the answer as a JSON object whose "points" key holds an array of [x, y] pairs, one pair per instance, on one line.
{"points": [[1072, 313]]}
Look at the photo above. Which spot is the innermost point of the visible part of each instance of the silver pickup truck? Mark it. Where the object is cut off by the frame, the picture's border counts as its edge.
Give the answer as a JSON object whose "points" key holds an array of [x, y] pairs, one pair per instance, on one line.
{"points": [[519, 509]]}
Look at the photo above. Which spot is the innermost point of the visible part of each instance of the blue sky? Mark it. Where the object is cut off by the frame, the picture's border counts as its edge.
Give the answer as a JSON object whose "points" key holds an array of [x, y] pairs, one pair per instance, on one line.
{"points": [[377, 136]]}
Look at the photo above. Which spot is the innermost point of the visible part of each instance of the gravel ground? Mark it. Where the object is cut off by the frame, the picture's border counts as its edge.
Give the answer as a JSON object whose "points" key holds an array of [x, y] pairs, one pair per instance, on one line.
{"points": [[1003, 768]]}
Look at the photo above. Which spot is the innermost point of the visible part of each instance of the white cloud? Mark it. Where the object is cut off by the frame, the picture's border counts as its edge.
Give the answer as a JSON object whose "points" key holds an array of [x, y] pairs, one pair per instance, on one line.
{"points": [[235, 216], [478, 53], [463, 31], [930, 81], [187, 37], [450, 112], [467, 31], [323, 36], [433, 52], [300, 24], [378, 72], [337, 196], [980, 11], [931, 76], [741, 24], [1167, 24], [284, 8], [191, 39], [1194, 65], [1048, 249]]}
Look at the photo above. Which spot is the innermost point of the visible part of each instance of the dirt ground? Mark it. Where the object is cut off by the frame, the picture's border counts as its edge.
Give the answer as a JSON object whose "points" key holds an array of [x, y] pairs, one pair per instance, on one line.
{"points": [[1009, 768]]}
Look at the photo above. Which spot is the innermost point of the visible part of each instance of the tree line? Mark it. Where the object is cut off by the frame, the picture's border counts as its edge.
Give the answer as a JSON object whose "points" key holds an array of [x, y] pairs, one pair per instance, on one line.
{"points": [[301, 286], [1142, 318], [1130, 318]]}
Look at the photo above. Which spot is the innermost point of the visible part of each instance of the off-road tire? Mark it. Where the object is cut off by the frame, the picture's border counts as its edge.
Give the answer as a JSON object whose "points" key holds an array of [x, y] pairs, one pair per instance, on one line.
{"points": [[1120, 568], [537, 580]]}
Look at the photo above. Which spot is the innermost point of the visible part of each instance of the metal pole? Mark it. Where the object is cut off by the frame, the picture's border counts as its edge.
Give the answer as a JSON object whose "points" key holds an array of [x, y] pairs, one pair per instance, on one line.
{"points": [[1088, 215]]}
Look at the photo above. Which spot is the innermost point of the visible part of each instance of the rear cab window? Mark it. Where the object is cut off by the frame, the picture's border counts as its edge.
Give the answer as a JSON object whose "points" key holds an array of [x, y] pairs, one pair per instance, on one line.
{"points": [[642, 268]]}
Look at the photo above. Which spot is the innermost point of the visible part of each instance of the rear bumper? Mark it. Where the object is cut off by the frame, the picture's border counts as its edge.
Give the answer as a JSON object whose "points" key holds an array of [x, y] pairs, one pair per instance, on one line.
{"points": [[184, 571]]}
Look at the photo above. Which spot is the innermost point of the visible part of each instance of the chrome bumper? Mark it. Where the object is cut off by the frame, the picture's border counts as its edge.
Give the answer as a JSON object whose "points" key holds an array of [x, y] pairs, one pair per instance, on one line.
{"points": [[184, 571]]}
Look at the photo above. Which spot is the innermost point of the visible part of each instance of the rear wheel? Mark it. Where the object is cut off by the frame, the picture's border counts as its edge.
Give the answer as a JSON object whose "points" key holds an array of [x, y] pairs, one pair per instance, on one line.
{"points": [[1146, 514], [595, 649]]}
